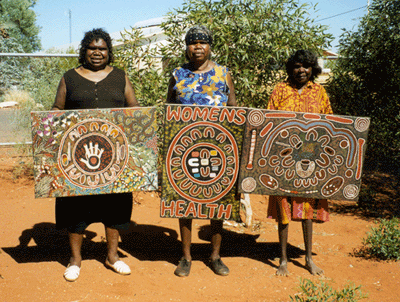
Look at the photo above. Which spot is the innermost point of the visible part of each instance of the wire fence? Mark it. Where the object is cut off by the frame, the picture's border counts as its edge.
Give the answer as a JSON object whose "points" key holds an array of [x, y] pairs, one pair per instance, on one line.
{"points": [[10, 132], [14, 121]]}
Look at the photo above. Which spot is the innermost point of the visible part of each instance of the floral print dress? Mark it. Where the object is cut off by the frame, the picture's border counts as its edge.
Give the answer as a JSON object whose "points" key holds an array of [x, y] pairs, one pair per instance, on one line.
{"points": [[208, 88]]}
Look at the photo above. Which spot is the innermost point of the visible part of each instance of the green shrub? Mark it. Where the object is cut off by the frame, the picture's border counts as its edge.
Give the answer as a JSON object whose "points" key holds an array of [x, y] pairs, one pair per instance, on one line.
{"points": [[367, 197], [42, 77], [143, 67], [325, 293], [140, 60], [383, 241]]}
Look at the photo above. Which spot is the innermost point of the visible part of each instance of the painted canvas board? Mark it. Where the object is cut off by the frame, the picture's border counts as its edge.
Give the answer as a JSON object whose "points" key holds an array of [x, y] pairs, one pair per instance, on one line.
{"points": [[94, 151], [202, 147], [303, 154]]}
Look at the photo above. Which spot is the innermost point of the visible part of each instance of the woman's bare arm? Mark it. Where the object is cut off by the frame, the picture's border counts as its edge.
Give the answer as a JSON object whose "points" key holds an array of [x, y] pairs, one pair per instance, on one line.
{"points": [[231, 96], [59, 102], [171, 95], [130, 97]]}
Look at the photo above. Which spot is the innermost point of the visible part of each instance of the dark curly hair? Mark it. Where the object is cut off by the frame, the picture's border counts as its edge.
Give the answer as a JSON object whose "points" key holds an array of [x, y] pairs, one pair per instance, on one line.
{"points": [[94, 35], [307, 58]]}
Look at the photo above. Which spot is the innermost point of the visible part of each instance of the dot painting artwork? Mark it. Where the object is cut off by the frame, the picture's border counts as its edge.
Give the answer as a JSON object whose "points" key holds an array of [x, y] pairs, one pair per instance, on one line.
{"points": [[202, 147], [303, 154], [94, 151]]}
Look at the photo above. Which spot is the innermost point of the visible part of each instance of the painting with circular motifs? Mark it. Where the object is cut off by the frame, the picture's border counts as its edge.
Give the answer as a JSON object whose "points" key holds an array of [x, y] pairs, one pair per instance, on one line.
{"points": [[202, 147], [303, 154], [94, 151]]}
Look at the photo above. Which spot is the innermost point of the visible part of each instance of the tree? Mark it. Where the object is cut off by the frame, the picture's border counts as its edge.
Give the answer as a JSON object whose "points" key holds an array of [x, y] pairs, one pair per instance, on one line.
{"points": [[18, 33], [139, 60], [366, 80], [253, 38], [17, 21], [11, 68]]}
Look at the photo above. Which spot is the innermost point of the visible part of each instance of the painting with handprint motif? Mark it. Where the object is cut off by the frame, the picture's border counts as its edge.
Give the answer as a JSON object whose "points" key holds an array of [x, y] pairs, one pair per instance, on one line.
{"points": [[94, 151], [202, 146], [303, 154]]}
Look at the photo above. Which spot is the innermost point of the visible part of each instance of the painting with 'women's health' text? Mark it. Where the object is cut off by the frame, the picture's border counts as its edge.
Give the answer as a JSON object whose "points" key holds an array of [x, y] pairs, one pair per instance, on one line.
{"points": [[202, 147], [303, 154], [94, 151]]}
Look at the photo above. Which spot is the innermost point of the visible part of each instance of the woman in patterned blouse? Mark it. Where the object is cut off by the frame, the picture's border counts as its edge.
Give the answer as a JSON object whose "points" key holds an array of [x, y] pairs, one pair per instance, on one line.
{"points": [[301, 94], [201, 82]]}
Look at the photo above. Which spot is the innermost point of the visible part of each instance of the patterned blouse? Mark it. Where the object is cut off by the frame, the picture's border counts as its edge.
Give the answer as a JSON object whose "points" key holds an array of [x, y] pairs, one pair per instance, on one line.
{"points": [[313, 99], [209, 88]]}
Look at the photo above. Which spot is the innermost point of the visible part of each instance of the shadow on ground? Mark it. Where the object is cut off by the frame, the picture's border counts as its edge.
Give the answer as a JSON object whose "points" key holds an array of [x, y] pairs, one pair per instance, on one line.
{"points": [[379, 197], [144, 242]]}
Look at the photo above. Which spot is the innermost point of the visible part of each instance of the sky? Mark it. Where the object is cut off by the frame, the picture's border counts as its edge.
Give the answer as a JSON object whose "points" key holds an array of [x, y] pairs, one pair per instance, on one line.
{"points": [[117, 15]]}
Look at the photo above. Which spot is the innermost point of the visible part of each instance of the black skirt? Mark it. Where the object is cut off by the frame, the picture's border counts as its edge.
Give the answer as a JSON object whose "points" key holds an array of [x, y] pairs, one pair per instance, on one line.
{"points": [[77, 212]]}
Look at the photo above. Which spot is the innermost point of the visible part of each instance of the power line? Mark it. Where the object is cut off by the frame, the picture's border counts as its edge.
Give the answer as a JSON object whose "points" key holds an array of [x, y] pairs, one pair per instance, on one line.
{"points": [[38, 55], [342, 13]]}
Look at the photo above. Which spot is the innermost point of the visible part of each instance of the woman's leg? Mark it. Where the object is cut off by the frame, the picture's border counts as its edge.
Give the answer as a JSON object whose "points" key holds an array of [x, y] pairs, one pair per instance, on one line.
{"points": [[112, 236], [112, 260], [283, 233], [216, 238], [307, 226], [185, 226], [75, 243], [74, 267], [183, 268]]}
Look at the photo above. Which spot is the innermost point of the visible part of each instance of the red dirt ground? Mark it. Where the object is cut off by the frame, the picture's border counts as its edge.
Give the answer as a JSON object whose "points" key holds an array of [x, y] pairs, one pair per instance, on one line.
{"points": [[33, 255]]}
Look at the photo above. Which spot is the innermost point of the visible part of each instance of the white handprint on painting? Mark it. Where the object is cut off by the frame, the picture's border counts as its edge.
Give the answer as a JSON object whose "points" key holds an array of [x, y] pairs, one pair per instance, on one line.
{"points": [[93, 156]]}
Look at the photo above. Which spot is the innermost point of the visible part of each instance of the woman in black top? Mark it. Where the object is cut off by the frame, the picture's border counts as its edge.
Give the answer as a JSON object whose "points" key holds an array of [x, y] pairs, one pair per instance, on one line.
{"points": [[94, 84]]}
